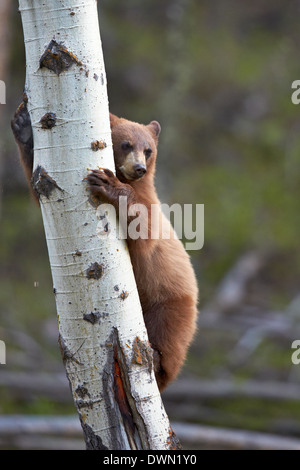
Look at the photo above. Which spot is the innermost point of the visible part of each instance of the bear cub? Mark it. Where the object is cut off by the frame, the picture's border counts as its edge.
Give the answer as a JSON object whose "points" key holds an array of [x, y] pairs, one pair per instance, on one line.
{"points": [[164, 275]]}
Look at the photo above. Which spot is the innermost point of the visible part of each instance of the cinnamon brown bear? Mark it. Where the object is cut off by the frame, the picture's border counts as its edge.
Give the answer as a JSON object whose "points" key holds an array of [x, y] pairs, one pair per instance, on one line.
{"points": [[164, 275]]}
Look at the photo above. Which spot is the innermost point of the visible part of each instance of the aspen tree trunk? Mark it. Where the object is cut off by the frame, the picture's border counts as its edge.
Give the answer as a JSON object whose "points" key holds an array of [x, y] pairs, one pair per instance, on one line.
{"points": [[102, 335]]}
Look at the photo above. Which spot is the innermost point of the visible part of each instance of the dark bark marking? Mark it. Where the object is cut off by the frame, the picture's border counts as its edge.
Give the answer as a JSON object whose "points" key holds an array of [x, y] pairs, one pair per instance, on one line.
{"points": [[48, 120], [57, 58], [66, 354], [42, 183], [95, 271], [82, 391], [92, 440], [93, 317], [173, 441], [98, 145], [124, 294], [142, 354]]}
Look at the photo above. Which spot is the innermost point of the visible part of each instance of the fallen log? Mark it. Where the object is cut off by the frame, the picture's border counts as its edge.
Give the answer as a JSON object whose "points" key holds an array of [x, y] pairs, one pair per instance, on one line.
{"points": [[64, 432]]}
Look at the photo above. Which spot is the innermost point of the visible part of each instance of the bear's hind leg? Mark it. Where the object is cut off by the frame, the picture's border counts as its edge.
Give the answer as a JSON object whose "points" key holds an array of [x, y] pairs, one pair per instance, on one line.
{"points": [[171, 326]]}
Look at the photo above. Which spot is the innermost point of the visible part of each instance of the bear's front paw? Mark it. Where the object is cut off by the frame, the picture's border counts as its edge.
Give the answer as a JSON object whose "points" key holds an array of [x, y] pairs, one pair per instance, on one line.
{"points": [[103, 184], [21, 126]]}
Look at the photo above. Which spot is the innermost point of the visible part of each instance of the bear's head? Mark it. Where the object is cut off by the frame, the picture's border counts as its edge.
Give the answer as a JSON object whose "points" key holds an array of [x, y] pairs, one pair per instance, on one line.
{"points": [[135, 148]]}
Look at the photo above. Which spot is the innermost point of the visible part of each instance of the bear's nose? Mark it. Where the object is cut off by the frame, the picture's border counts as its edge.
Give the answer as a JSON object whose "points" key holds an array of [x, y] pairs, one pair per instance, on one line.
{"points": [[139, 170]]}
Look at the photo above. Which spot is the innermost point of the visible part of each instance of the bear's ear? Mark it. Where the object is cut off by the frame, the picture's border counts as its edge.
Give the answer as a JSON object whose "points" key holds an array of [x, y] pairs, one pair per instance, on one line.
{"points": [[155, 129], [113, 119]]}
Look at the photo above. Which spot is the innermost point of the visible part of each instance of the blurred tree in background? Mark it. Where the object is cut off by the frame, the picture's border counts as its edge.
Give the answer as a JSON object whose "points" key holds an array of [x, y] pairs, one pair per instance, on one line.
{"points": [[217, 76]]}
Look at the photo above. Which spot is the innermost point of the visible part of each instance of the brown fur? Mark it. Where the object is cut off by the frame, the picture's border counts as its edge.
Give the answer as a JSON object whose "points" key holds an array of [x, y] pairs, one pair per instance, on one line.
{"points": [[164, 275]]}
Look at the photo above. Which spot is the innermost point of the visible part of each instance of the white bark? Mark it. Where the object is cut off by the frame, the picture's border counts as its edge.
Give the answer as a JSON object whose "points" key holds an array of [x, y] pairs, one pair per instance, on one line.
{"points": [[100, 328]]}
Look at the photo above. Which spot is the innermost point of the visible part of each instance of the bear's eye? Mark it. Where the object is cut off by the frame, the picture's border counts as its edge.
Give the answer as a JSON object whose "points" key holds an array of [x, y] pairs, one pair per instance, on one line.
{"points": [[126, 146], [148, 152]]}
